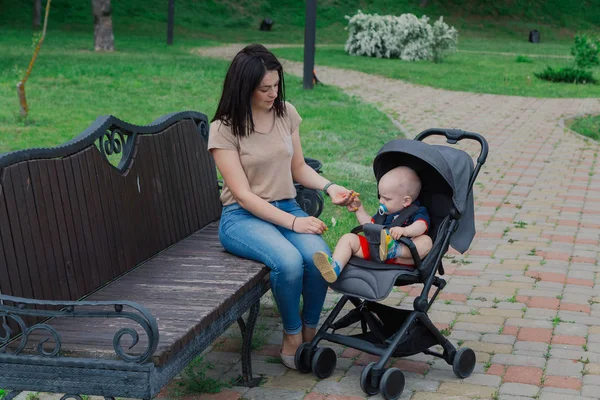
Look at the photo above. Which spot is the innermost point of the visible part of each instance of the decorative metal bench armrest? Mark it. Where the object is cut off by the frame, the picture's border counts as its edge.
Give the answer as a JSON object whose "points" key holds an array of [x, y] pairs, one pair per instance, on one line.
{"points": [[25, 307]]}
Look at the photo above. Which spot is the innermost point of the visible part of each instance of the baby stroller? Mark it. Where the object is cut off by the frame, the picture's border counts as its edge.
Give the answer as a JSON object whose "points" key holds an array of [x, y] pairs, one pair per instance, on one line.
{"points": [[447, 176]]}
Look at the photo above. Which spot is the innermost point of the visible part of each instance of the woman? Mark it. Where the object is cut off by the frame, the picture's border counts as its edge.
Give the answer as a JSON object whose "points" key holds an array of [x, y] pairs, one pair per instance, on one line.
{"points": [[255, 142]]}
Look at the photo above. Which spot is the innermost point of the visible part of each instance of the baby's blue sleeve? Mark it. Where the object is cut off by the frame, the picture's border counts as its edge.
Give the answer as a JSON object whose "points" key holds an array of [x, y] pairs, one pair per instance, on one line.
{"points": [[422, 215]]}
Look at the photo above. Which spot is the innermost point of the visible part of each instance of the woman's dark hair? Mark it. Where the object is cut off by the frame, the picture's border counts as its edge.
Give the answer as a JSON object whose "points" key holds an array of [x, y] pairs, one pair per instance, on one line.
{"points": [[243, 77]]}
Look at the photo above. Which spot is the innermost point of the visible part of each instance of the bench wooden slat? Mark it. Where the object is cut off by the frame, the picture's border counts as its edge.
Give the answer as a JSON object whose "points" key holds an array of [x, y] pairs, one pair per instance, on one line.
{"points": [[48, 241], [105, 212], [58, 227], [180, 175], [124, 231], [145, 171], [133, 216], [174, 171], [110, 213], [208, 182], [167, 182], [163, 232], [89, 269], [187, 144], [20, 232], [9, 277], [165, 200], [30, 226], [97, 219], [186, 182], [70, 209]]}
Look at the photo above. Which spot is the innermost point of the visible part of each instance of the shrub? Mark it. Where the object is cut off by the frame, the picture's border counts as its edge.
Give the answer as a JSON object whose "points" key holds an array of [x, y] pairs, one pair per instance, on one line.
{"points": [[585, 51], [443, 40], [568, 74], [406, 37], [523, 59]]}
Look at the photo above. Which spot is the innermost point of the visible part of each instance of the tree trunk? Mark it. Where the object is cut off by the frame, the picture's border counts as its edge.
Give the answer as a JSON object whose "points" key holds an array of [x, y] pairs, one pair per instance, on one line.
{"points": [[37, 14], [104, 39], [423, 3]]}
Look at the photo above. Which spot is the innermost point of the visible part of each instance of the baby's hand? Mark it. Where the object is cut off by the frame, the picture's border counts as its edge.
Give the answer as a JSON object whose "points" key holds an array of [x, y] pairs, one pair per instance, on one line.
{"points": [[397, 232], [355, 202]]}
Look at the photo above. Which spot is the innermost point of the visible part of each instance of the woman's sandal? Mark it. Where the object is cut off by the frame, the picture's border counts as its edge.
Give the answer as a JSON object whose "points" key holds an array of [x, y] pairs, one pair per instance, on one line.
{"points": [[288, 361]]}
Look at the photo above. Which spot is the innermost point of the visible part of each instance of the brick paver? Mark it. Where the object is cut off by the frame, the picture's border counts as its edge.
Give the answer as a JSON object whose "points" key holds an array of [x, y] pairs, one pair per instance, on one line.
{"points": [[526, 296]]}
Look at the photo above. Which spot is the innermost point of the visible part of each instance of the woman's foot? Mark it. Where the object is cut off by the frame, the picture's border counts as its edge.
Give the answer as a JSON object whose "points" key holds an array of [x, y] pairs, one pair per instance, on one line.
{"points": [[327, 266], [308, 334], [288, 349], [291, 343]]}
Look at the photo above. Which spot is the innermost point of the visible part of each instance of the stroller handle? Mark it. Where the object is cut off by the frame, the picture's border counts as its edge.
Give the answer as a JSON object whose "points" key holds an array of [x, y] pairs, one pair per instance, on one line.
{"points": [[456, 135]]}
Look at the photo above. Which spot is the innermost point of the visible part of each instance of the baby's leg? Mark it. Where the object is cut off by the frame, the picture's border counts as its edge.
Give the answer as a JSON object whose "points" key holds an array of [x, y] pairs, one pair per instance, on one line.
{"points": [[423, 244], [348, 246], [330, 267]]}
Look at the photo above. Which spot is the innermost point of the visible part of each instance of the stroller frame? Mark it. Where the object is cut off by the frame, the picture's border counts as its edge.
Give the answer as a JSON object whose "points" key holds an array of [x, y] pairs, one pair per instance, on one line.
{"points": [[409, 328]]}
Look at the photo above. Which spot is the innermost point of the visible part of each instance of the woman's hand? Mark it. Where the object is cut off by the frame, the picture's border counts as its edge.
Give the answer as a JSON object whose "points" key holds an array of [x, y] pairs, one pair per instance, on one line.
{"points": [[340, 196], [309, 225]]}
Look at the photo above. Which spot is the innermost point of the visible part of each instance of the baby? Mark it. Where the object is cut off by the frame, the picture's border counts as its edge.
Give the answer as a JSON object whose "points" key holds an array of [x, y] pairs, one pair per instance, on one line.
{"points": [[398, 189]]}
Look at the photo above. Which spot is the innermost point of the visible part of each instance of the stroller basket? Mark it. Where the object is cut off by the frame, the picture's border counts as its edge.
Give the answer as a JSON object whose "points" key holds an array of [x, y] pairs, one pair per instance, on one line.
{"points": [[447, 175], [389, 320]]}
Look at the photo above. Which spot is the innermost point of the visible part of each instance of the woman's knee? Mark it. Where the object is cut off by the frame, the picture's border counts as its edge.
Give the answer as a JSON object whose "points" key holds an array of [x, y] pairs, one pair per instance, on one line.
{"points": [[287, 265]]}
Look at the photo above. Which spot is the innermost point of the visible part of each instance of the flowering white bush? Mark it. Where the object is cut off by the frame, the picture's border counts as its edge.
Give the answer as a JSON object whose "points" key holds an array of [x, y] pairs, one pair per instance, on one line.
{"points": [[443, 40], [406, 37]]}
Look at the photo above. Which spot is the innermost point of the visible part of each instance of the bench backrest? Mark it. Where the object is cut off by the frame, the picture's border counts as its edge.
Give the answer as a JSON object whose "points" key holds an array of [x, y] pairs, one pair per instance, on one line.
{"points": [[71, 221]]}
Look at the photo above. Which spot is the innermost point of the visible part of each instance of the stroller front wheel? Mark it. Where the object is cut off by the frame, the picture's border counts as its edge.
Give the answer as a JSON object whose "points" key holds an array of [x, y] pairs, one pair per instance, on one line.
{"points": [[302, 358], [324, 362], [392, 384], [464, 362], [365, 381]]}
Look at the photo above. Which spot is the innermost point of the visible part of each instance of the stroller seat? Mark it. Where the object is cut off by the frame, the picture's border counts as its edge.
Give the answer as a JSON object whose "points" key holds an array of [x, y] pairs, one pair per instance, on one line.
{"points": [[373, 281], [447, 175]]}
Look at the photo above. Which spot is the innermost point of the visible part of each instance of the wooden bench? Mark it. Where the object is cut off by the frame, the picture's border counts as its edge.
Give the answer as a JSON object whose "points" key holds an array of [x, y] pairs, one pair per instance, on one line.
{"points": [[109, 241]]}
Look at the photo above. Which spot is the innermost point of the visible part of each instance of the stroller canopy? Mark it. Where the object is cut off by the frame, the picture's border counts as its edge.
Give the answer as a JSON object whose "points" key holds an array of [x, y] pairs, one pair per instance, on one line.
{"points": [[445, 174]]}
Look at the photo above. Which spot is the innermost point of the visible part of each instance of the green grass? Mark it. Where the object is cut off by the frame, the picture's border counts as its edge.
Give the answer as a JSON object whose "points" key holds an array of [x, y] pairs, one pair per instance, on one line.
{"points": [[587, 126], [195, 379], [491, 36], [2, 393], [143, 81], [215, 21], [230, 20], [463, 71]]}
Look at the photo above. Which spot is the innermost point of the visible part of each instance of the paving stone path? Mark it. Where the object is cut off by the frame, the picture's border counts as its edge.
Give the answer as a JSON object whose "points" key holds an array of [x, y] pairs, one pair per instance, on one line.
{"points": [[525, 297]]}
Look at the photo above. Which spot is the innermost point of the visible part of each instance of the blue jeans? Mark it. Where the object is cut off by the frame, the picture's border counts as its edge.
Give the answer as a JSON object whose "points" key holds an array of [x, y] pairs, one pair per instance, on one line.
{"points": [[289, 256]]}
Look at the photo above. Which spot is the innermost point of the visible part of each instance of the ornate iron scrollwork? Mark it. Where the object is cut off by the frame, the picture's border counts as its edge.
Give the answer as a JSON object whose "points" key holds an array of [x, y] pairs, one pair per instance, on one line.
{"points": [[203, 128], [69, 309], [26, 332], [116, 142], [112, 142]]}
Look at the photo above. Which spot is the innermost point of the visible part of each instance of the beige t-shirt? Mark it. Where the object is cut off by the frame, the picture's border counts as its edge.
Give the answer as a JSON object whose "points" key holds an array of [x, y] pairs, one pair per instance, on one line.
{"points": [[265, 157]]}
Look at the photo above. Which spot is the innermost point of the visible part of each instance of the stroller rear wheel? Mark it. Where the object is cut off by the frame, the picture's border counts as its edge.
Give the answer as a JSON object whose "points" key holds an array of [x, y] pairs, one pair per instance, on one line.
{"points": [[365, 381], [392, 384], [324, 362], [464, 362], [302, 358]]}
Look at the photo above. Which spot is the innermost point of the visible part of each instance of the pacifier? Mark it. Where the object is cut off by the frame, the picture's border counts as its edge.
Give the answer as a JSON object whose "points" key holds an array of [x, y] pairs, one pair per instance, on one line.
{"points": [[382, 209]]}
